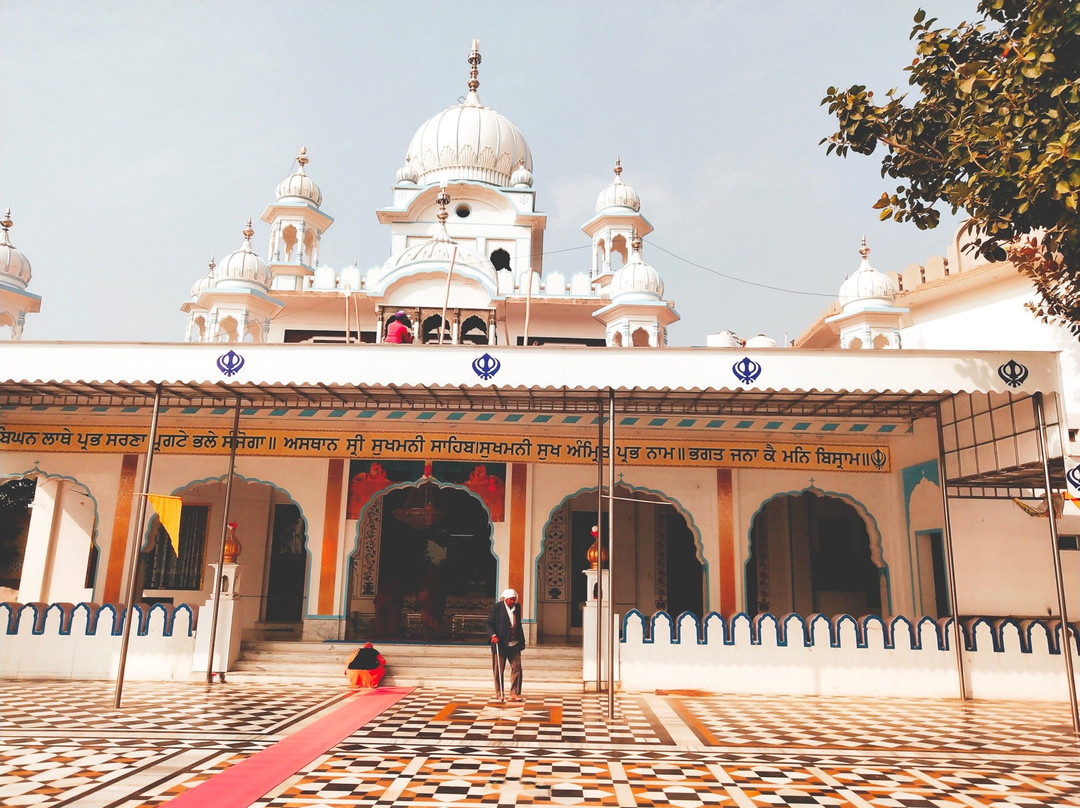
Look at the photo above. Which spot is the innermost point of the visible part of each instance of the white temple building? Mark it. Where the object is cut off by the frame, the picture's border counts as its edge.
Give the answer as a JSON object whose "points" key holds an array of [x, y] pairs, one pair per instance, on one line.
{"points": [[889, 492]]}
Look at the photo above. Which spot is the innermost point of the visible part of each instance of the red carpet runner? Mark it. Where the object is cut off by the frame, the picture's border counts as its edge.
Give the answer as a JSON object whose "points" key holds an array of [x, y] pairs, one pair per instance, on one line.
{"points": [[242, 784]]}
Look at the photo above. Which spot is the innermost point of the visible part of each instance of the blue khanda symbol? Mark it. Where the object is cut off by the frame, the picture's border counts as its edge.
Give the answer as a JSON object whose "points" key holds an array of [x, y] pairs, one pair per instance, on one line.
{"points": [[1073, 477], [1013, 373], [746, 370], [486, 366], [230, 363], [878, 458]]}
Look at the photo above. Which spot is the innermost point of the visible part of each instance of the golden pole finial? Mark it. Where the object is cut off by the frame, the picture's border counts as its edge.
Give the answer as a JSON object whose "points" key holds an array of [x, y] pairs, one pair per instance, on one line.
{"points": [[248, 231], [302, 157], [864, 251], [474, 61]]}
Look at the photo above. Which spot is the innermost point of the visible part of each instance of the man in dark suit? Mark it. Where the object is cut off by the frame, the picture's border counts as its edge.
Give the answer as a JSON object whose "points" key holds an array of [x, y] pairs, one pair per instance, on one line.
{"points": [[507, 643]]}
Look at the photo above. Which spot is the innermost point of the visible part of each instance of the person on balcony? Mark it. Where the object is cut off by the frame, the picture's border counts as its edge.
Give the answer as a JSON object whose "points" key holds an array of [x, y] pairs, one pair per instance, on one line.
{"points": [[399, 329]]}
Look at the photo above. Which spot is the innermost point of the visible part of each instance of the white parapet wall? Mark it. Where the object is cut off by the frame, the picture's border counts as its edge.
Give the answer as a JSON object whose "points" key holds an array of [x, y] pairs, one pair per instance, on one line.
{"points": [[82, 641], [819, 655]]}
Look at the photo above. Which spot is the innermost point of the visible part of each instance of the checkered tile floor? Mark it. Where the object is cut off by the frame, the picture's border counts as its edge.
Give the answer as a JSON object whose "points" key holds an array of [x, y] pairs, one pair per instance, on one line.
{"points": [[62, 744]]}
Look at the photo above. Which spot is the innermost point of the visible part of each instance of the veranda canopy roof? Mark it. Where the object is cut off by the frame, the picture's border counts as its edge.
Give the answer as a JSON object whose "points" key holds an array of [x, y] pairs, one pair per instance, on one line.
{"points": [[798, 383]]}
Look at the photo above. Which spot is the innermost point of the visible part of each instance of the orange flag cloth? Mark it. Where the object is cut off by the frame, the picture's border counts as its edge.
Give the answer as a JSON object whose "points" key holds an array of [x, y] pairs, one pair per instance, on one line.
{"points": [[168, 511]]}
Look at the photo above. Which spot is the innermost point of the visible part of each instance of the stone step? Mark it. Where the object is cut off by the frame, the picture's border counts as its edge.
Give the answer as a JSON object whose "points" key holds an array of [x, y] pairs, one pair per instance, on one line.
{"points": [[408, 664]]}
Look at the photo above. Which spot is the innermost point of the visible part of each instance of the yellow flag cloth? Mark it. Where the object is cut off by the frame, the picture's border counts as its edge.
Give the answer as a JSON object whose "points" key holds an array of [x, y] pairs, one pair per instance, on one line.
{"points": [[168, 511]]}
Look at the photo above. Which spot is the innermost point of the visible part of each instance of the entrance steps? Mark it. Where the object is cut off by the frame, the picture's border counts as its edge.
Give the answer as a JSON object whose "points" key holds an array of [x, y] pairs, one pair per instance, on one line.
{"points": [[545, 667]]}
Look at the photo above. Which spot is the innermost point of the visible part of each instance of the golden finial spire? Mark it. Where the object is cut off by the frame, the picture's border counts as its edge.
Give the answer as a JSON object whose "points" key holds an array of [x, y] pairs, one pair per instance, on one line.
{"points": [[213, 263], [474, 60], [7, 223], [302, 158], [248, 231], [864, 251], [442, 200], [618, 168]]}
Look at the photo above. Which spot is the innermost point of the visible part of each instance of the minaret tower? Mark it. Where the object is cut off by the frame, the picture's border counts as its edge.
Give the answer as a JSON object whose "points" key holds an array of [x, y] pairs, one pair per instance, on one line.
{"points": [[296, 228], [868, 318], [15, 301], [618, 217], [638, 315], [230, 303]]}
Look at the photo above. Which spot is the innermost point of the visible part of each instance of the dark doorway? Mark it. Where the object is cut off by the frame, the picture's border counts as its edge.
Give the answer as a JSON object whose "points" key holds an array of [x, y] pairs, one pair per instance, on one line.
{"points": [[685, 584], [437, 574], [581, 531], [16, 497], [288, 563], [811, 553]]}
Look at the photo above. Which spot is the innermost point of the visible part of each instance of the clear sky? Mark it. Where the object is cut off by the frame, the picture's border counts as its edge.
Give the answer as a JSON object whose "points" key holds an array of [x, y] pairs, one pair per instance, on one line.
{"points": [[136, 138]]}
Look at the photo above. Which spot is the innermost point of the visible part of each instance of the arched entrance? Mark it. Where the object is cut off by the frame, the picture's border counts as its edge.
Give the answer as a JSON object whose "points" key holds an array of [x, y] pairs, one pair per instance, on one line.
{"points": [[16, 498], [657, 555], [48, 531], [429, 572], [813, 552], [273, 560]]}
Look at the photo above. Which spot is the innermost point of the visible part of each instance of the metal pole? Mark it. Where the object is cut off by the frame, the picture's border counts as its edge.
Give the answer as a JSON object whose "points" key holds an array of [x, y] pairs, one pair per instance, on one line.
{"points": [[950, 564], [446, 298], [133, 563], [528, 312], [599, 545], [221, 548], [1066, 638], [611, 556]]}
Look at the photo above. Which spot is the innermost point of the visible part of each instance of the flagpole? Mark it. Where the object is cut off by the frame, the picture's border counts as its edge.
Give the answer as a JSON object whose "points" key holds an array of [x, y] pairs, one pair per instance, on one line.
{"points": [[221, 548], [133, 563]]}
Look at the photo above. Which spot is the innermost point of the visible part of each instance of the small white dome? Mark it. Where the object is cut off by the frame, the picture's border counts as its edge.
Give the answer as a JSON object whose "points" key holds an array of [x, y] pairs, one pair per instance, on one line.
{"points": [[407, 174], [468, 142], [636, 279], [867, 284], [299, 185], [760, 341], [205, 282], [14, 266], [243, 268], [618, 194], [522, 177]]}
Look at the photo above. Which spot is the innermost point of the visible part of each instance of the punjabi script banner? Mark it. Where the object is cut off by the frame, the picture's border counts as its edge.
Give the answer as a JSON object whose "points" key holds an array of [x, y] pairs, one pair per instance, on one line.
{"points": [[371, 445]]}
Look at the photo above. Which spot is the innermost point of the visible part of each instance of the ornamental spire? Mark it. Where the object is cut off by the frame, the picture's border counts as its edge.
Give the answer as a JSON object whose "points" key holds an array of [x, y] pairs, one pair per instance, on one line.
{"points": [[474, 60]]}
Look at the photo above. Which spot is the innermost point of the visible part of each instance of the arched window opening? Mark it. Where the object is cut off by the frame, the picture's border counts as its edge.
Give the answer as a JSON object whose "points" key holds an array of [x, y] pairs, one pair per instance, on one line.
{"points": [[289, 239], [618, 245], [227, 330], [500, 259], [430, 330], [855, 344], [640, 338], [881, 341], [474, 330], [616, 339], [811, 553]]}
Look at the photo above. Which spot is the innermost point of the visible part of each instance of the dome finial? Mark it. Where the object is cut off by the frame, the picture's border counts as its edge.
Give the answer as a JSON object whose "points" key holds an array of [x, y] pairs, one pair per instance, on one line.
{"points": [[248, 231], [474, 60], [6, 224], [302, 157], [618, 168], [213, 263], [442, 200], [635, 241], [864, 251]]}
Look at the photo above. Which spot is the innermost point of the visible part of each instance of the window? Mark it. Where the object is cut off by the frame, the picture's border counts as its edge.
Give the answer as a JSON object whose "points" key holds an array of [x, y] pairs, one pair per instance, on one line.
{"points": [[1069, 542], [164, 569]]}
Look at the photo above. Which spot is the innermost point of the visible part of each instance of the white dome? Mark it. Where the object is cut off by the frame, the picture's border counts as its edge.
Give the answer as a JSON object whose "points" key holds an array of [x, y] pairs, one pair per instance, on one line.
{"points": [[468, 142], [205, 282], [760, 341], [299, 185], [407, 174], [867, 284], [636, 279], [618, 194], [438, 252], [14, 266], [243, 268], [522, 177]]}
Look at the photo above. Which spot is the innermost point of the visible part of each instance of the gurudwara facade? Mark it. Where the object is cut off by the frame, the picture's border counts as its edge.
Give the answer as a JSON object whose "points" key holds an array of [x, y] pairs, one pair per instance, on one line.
{"points": [[893, 468]]}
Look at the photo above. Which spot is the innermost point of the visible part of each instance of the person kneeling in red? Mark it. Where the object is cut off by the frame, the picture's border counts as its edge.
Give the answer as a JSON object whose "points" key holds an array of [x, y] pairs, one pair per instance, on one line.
{"points": [[366, 667]]}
